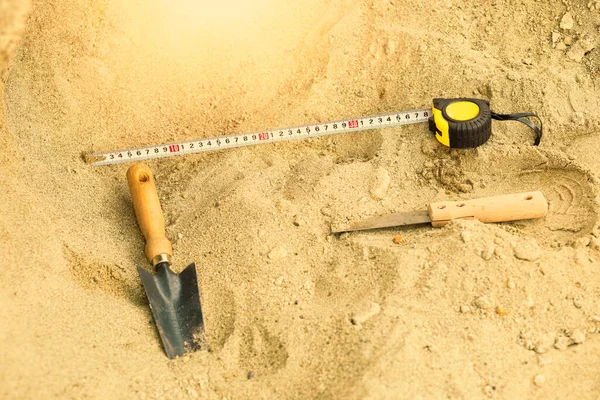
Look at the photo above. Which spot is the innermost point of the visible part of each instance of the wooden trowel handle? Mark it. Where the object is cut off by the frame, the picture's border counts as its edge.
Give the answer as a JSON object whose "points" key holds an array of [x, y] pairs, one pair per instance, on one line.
{"points": [[510, 207], [149, 214]]}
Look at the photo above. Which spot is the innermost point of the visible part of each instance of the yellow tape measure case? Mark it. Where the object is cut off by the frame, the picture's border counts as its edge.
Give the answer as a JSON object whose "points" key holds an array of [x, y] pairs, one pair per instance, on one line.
{"points": [[461, 123]]}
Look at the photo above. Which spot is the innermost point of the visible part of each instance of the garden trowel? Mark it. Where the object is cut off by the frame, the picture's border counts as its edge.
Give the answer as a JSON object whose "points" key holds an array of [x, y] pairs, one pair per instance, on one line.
{"points": [[174, 298]]}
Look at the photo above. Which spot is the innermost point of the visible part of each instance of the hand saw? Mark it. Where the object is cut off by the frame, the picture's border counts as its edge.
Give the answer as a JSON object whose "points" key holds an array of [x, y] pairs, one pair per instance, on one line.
{"points": [[456, 123]]}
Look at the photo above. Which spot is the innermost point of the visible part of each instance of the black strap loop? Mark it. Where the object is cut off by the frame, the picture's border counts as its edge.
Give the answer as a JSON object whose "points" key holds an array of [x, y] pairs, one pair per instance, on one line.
{"points": [[522, 117]]}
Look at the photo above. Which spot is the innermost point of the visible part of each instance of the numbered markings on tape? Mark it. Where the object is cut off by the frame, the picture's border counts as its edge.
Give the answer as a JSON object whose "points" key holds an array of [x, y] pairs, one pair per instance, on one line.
{"points": [[248, 139]]}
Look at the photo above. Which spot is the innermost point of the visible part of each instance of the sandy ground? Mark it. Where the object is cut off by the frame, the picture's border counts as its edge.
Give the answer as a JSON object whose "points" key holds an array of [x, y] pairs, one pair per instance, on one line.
{"points": [[467, 311]]}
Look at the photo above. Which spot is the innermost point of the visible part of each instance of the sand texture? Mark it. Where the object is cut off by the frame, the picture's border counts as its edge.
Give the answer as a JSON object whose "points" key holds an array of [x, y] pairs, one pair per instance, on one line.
{"points": [[505, 311]]}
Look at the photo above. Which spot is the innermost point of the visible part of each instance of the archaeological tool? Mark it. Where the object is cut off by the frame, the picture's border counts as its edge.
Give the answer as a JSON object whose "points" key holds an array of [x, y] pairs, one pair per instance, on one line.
{"points": [[457, 123], [174, 298], [509, 207]]}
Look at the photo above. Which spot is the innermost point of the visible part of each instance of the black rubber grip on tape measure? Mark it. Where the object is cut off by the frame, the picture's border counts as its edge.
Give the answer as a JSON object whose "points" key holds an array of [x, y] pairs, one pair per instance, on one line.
{"points": [[471, 133]]}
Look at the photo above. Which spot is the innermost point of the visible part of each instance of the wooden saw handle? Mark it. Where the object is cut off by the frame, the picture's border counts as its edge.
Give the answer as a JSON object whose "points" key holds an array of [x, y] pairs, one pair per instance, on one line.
{"points": [[510, 207], [148, 212]]}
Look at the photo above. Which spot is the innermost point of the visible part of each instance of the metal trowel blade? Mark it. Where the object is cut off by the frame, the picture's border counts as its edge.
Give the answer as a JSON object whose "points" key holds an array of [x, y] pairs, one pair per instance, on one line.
{"points": [[175, 303]]}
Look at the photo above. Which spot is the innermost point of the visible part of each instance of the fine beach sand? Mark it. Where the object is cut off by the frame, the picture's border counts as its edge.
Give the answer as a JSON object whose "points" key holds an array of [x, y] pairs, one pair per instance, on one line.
{"points": [[466, 311]]}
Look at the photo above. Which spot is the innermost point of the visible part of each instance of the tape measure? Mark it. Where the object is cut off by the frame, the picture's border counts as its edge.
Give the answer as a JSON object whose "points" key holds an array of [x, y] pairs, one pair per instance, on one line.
{"points": [[466, 123], [457, 123]]}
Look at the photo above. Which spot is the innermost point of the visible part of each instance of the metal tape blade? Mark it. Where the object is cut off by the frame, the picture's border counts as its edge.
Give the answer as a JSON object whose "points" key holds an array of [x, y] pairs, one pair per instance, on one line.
{"points": [[268, 136]]}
